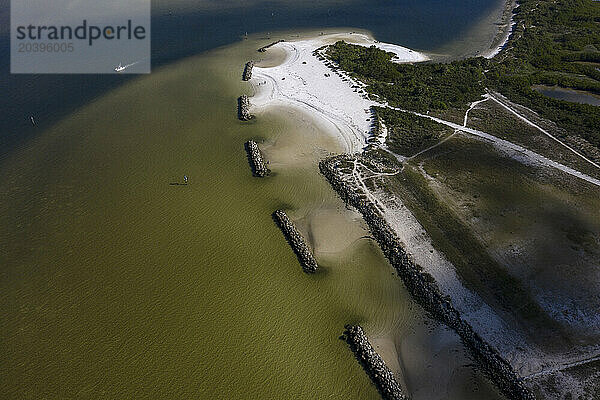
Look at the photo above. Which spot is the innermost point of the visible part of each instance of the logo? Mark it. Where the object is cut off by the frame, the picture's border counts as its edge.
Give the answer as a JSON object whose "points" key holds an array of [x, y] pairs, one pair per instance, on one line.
{"points": [[82, 32], [84, 36]]}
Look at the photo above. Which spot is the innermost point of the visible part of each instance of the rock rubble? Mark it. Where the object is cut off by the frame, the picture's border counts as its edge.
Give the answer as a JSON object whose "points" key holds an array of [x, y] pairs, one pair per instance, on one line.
{"points": [[256, 160], [244, 108], [264, 48], [247, 74], [423, 286], [373, 364], [296, 241]]}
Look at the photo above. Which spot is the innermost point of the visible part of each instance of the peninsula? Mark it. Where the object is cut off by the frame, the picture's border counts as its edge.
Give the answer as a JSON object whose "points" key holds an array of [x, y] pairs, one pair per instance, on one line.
{"points": [[481, 191]]}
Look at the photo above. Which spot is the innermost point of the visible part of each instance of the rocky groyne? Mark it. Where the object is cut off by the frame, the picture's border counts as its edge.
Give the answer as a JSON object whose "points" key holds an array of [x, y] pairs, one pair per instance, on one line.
{"points": [[256, 160], [247, 74], [244, 108], [296, 240], [373, 364], [264, 48], [422, 285]]}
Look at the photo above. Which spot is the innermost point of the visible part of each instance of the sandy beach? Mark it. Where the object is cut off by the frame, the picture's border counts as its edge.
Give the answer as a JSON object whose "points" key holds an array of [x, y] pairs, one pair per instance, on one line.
{"points": [[305, 83], [506, 24]]}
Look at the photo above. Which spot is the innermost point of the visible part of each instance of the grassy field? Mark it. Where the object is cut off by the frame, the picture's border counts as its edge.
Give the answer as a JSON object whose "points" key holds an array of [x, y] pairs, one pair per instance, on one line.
{"points": [[409, 134], [477, 269], [492, 118], [526, 239]]}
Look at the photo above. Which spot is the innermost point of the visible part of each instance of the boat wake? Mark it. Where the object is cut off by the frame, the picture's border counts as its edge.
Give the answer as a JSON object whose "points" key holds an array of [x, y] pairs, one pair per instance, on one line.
{"points": [[121, 67]]}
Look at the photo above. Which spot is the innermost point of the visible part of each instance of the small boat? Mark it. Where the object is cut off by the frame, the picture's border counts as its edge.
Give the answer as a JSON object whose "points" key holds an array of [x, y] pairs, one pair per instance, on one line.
{"points": [[120, 67], [32, 120]]}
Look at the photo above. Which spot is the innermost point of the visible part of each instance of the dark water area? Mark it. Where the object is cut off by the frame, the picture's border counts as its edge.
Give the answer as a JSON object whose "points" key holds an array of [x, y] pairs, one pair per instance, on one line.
{"points": [[574, 96], [422, 25]]}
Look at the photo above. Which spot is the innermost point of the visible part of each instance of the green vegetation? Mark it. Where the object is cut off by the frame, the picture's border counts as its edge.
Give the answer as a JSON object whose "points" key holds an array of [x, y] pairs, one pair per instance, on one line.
{"points": [[554, 43], [420, 87], [492, 118], [409, 134]]}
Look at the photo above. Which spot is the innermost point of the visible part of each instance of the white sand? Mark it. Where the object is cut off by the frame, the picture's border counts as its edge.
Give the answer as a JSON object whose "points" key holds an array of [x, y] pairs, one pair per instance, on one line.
{"points": [[344, 113], [300, 82]]}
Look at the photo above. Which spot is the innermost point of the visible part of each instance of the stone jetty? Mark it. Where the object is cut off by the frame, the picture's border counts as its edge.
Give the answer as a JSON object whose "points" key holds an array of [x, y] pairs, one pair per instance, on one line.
{"points": [[264, 48], [247, 75], [256, 160], [296, 240], [373, 364], [422, 285], [244, 108]]}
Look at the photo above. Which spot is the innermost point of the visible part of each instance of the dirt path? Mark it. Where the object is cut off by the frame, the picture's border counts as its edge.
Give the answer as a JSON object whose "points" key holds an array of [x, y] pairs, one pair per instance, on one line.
{"points": [[518, 152], [506, 105]]}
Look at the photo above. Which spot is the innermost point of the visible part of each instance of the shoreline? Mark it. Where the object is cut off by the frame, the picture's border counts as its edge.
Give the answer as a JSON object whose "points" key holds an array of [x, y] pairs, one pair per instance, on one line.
{"points": [[423, 286], [305, 83], [481, 40], [507, 20]]}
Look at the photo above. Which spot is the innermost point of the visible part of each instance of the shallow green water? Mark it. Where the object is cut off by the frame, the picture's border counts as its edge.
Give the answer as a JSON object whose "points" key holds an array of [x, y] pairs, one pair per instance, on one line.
{"points": [[117, 284]]}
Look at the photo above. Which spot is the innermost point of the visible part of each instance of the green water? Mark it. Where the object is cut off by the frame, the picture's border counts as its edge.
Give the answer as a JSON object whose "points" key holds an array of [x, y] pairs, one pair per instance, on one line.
{"points": [[116, 284]]}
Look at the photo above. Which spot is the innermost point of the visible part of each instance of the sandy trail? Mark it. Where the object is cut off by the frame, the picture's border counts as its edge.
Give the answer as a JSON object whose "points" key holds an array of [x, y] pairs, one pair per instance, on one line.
{"points": [[472, 106], [502, 101], [514, 151], [306, 83]]}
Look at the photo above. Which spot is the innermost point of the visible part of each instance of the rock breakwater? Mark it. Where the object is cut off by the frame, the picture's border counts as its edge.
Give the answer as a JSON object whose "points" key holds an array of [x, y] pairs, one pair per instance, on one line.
{"points": [[422, 285], [247, 74], [373, 364], [264, 48], [256, 160], [296, 241], [244, 108]]}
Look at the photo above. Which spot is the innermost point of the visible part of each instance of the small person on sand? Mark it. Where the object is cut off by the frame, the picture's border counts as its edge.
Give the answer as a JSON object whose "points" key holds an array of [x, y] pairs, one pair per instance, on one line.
{"points": [[185, 179]]}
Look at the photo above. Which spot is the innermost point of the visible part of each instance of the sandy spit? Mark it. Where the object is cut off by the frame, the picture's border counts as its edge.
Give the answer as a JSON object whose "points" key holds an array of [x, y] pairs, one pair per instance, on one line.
{"points": [[305, 83]]}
